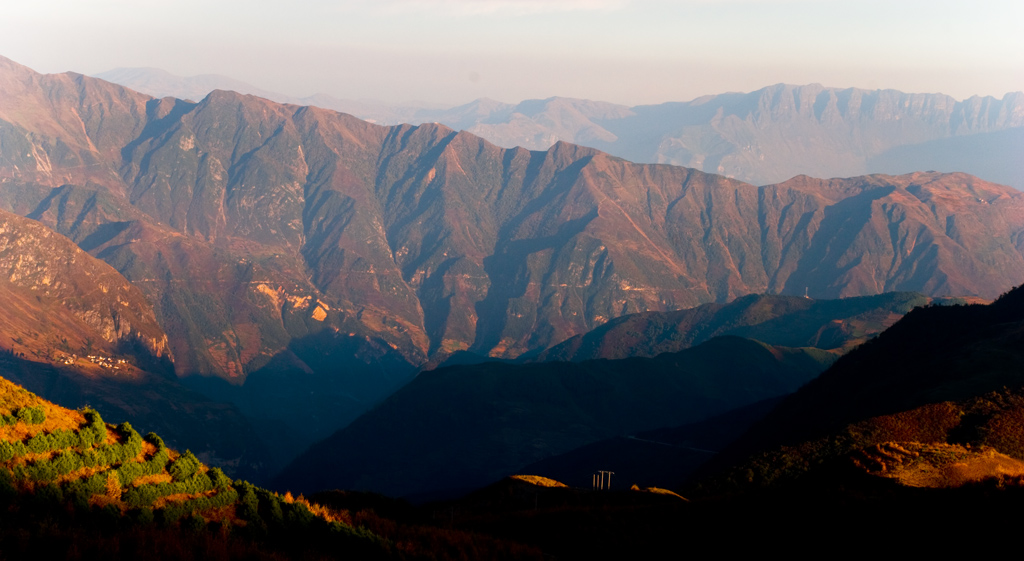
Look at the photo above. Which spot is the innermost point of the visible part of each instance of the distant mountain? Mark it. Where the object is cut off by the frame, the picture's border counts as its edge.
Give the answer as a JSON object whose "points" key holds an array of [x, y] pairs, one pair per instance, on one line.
{"points": [[780, 131], [456, 428], [791, 321], [304, 263], [761, 137], [160, 83]]}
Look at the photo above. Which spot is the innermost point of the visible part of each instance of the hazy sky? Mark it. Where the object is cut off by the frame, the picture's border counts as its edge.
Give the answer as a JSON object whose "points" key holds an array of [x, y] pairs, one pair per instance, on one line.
{"points": [[453, 51]]}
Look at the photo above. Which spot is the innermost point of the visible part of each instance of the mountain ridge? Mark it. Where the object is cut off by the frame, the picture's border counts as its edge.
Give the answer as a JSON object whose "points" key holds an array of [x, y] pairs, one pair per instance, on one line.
{"points": [[764, 136]]}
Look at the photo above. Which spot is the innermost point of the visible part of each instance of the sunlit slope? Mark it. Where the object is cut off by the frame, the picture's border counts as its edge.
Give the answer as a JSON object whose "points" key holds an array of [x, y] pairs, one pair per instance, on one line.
{"points": [[68, 477]]}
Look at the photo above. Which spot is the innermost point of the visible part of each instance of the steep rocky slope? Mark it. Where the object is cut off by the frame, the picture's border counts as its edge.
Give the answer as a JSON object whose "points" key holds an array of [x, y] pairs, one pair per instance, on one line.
{"points": [[73, 329], [417, 224], [59, 300]]}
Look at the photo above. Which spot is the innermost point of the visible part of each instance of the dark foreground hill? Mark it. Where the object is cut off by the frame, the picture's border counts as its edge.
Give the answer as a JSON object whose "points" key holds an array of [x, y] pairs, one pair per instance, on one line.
{"points": [[937, 400], [459, 427], [663, 457]]}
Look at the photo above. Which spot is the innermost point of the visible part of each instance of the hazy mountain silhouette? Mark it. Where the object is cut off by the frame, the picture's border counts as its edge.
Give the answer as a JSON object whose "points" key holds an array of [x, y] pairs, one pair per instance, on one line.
{"points": [[761, 137]]}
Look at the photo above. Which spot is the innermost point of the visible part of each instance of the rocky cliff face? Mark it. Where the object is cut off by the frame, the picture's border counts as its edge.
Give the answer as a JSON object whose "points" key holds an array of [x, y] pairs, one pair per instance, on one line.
{"points": [[60, 300], [260, 231]]}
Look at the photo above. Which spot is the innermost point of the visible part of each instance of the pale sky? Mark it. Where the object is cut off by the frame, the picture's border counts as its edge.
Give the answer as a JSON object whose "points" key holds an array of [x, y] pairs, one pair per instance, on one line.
{"points": [[454, 51]]}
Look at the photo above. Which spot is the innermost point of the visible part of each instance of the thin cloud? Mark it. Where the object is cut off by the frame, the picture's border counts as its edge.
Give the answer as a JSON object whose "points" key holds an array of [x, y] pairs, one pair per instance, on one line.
{"points": [[503, 7]]}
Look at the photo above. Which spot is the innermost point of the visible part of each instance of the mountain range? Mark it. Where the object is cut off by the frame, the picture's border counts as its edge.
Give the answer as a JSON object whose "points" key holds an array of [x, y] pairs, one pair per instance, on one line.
{"points": [[764, 136], [464, 425], [304, 263]]}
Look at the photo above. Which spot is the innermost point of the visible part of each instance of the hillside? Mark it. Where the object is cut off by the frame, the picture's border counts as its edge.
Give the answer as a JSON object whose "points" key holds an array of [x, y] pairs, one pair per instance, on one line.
{"points": [[77, 332], [459, 427], [73, 486], [790, 321], [933, 401], [664, 457], [60, 301], [69, 480]]}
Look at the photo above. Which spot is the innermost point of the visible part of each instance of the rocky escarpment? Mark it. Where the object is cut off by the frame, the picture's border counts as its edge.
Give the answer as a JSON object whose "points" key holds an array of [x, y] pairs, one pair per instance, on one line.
{"points": [[66, 299]]}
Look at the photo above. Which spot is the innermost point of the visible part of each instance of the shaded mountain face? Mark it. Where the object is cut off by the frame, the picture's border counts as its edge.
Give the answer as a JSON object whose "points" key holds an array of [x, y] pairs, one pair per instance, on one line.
{"points": [[459, 427], [933, 401], [792, 321]]}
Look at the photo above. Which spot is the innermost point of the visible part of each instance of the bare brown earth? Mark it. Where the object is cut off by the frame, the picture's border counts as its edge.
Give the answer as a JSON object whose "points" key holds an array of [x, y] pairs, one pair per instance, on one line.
{"points": [[936, 465], [63, 305]]}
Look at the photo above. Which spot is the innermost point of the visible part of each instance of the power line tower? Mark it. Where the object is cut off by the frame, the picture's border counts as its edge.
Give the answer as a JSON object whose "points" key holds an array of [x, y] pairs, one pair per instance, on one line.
{"points": [[603, 479]]}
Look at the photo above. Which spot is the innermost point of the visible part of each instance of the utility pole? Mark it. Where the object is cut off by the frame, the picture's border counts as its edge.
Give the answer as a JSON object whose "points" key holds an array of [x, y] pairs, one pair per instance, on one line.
{"points": [[603, 479]]}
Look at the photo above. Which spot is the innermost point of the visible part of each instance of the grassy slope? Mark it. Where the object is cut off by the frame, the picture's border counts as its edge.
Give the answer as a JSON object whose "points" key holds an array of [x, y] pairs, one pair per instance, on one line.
{"points": [[72, 486]]}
